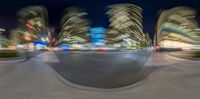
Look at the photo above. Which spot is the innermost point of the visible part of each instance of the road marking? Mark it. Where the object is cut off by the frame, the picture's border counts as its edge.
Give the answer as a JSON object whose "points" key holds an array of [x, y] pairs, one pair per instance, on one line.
{"points": [[48, 57], [161, 60]]}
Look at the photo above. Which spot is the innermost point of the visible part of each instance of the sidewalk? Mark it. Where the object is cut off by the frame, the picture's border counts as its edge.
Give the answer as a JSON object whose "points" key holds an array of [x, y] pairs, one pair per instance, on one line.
{"points": [[12, 60], [183, 54], [21, 58]]}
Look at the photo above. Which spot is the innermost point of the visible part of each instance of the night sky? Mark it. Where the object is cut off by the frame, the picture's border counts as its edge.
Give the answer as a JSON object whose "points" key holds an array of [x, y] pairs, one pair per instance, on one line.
{"points": [[95, 8]]}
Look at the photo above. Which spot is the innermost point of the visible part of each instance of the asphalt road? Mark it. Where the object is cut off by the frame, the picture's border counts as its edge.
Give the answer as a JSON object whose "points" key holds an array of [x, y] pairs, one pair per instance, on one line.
{"points": [[102, 69], [172, 78]]}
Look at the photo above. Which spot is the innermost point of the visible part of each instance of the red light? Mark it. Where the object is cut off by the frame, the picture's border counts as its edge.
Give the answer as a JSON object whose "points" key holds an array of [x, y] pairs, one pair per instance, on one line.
{"points": [[103, 48], [53, 39], [157, 47], [29, 25]]}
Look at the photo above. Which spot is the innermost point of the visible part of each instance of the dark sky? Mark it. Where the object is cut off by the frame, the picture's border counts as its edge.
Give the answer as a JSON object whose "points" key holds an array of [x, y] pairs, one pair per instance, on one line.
{"points": [[95, 8]]}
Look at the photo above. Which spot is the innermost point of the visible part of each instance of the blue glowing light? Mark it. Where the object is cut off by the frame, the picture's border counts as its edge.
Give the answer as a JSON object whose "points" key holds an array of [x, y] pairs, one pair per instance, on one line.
{"points": [[65, 47], [39, 43], [98, 35], [97, 30]]}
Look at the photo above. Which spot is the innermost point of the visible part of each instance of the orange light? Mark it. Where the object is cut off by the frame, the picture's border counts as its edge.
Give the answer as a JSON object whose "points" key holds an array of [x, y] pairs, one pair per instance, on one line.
{"points": [[28, 38]]}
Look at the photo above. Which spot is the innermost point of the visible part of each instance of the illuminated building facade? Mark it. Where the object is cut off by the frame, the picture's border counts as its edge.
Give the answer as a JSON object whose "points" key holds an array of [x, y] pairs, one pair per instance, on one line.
{"points": [[74, 27], [125, 25], [97, 36], [177, 28], [147, 40], [32, 25], [4, 42]]}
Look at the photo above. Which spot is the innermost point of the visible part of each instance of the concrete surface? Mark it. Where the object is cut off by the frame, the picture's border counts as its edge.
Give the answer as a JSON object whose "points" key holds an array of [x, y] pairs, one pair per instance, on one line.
{"points": [[172, 78]]}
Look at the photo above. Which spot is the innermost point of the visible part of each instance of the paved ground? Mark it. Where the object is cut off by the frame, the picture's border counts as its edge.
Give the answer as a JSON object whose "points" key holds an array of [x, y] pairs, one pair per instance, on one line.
{"points": [[183, 54], [172, 78], [102, 69]]}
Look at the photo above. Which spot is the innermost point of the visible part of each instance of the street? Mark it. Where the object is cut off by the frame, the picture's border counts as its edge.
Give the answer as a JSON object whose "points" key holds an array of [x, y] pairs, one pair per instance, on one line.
{"points": [[169, 77], [102, 69]]}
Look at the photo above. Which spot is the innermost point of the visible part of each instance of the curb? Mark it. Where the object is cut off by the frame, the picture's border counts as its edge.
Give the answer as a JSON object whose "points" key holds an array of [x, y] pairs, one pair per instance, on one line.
{"points": [[13, 60]]}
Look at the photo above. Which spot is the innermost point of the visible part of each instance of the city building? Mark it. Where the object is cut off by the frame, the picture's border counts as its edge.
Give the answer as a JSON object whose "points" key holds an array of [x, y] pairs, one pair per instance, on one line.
{"points": [[4, 42], [74, 27], [178, 28], [126, 27], [32, 27]]}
